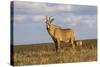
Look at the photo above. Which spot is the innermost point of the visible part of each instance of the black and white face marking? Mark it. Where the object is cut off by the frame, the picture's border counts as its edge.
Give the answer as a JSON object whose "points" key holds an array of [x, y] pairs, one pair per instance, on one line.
{"points": [[49, 21]]}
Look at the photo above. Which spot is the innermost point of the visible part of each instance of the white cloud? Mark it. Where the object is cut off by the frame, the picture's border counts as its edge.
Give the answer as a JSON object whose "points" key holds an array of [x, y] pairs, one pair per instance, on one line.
{"points": [[41, 7], [23, 18], [33, 8], [73, 20], [19, 18], [38, 18]]}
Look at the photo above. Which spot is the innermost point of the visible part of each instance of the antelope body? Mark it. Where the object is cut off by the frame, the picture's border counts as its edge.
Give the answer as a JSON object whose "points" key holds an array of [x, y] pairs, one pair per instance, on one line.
{"points": [[58, 34]]}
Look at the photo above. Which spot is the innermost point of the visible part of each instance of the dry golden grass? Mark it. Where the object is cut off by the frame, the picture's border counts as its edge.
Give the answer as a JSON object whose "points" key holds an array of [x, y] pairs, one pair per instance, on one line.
{"points": [[45, 53]]}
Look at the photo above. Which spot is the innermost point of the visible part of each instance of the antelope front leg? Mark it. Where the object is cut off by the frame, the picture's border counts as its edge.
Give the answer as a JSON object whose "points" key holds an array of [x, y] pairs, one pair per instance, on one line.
{"points": [[56, 45]]}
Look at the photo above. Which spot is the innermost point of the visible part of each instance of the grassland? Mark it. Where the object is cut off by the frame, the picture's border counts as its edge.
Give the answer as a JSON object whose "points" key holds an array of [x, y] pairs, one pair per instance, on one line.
{"points": [[45, 53]]}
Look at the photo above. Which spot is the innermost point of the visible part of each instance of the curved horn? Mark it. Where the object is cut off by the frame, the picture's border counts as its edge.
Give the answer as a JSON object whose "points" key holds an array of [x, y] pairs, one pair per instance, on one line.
{"points": [[50, 18]]}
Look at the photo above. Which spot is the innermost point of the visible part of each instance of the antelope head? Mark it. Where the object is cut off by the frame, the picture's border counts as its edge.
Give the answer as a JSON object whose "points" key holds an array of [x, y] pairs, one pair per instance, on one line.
{"points": [[48, 21]]}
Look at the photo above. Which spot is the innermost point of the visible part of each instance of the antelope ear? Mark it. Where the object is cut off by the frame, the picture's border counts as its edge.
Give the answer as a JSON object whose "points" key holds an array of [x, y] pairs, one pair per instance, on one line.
{"points": [[46, 19], [52, 20]]}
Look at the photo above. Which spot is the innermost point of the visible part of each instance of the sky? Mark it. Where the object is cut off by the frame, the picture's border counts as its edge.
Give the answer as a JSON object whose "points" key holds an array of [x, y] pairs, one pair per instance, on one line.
{"points": [[29, 21]]}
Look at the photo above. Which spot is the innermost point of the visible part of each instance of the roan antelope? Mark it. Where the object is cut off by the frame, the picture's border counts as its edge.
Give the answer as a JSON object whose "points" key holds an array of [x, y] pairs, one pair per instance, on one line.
{"points": [[58, 34]]}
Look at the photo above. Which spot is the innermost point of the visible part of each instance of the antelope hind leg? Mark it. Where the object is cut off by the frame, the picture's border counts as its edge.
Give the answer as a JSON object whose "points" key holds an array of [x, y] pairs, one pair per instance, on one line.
{"points": [[72, 42]]}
